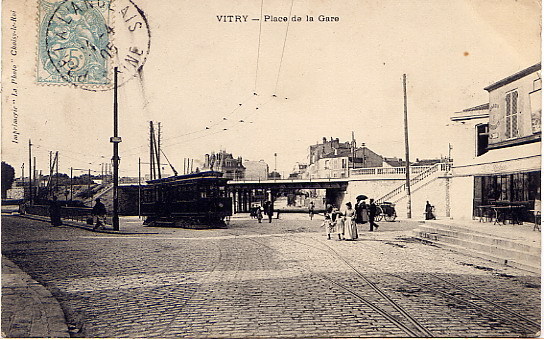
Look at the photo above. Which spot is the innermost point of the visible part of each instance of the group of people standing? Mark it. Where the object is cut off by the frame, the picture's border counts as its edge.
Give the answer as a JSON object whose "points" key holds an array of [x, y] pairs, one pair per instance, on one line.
{"points": [[266, 209], [344, 223]]}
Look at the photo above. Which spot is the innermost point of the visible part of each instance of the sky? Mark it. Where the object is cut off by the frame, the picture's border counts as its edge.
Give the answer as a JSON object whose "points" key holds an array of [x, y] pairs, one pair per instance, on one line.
{"points": [[265, 88]]}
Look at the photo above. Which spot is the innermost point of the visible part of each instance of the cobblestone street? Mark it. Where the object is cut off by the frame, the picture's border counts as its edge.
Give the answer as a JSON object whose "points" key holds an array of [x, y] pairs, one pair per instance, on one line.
{"points": [[267, 280]]}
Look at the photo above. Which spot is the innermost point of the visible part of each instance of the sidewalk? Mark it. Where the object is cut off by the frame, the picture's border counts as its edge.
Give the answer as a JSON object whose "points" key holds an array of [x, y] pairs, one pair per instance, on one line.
{"points": [[521, 234], [127, 225], [28, 308]]}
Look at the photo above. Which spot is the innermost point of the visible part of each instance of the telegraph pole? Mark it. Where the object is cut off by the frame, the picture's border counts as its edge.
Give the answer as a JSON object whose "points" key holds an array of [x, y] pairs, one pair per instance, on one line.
{"points": [[139, 188], [158, 150], [71, 184], [408, 193], [57, 169], [115, 140], [30, 170], [34, 175], [151, 151], [23, 178]]}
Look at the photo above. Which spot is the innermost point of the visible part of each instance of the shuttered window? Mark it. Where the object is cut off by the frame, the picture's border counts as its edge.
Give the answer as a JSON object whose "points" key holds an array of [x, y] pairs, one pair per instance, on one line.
{"points": [[511, 115]]}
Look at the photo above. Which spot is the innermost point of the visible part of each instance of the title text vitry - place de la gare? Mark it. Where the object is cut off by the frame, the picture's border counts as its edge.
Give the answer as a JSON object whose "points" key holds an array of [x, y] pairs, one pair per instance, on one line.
{"points": [[240, 18]]}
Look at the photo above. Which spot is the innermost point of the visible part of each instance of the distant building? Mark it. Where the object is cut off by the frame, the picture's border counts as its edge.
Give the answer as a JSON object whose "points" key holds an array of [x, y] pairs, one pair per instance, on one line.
{"points": [[333, 159], [298, 171], [255, 170], [232, 168]]}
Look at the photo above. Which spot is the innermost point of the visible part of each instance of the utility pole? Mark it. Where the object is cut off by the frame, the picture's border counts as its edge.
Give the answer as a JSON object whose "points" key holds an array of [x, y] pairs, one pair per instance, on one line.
{"points": [[353, 149], [23, 179], [408, 193], [151, 151], [275, 165], [139, 188], [30, 170], [34, 175], [115, 140], [158, 150], [57, 169], [89, 184], [71, 184]]}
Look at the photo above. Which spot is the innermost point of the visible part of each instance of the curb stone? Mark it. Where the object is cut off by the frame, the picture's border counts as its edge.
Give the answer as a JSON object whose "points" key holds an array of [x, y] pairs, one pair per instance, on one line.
{"points": [[28, 308]]}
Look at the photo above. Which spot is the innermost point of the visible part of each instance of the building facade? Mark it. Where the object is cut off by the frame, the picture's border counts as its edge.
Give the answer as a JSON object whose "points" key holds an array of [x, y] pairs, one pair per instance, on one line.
{"points": [[333, 159], [256, 170], [232, 168], [497, 147]]}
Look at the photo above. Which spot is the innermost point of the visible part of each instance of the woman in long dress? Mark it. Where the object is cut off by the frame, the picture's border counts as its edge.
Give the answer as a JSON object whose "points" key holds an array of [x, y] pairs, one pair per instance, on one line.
{"points": [[350, 227]]}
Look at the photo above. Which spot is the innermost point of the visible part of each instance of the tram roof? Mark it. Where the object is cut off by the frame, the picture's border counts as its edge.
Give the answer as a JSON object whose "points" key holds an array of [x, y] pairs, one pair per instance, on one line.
{"points": [[195, 176]]}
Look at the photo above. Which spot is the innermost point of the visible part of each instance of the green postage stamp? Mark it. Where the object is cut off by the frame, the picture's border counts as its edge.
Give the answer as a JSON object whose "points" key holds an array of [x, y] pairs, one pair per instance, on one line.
{"points": [[74, 44]]}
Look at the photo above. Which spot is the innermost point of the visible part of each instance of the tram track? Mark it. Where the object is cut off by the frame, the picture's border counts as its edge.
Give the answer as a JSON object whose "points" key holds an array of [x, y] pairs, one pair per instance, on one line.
{"points": [[179, 312], [515, 319], [411, 326]]}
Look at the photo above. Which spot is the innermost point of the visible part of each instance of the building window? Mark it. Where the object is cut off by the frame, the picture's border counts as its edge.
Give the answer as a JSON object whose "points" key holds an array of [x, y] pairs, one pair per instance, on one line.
{"points": [[522, 188], [344, 163], [482, 139], [511, 115]]}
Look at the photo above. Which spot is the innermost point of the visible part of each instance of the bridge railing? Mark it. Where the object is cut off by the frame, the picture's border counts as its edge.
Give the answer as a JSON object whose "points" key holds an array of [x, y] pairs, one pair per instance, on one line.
{"points": [[359, 172], [436, 168], [387, 171]]}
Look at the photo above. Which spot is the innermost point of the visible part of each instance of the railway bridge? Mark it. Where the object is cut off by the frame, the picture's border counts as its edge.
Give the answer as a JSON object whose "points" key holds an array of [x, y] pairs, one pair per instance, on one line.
{"points": [[382, 184], [243, 193]]}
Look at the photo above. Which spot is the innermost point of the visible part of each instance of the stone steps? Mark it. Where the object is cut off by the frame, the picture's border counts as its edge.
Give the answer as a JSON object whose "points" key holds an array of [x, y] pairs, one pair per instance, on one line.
{"points": [[490, 247]]}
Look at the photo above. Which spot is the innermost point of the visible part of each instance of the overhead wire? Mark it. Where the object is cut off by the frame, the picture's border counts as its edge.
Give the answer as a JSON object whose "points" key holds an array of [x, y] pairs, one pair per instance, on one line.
{"points": [[209, 130], [259, 46], [283, 49]]}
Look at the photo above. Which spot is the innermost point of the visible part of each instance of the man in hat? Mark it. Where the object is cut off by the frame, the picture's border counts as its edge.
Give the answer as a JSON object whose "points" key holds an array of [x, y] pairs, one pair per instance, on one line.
{"points": [[99, 213]]}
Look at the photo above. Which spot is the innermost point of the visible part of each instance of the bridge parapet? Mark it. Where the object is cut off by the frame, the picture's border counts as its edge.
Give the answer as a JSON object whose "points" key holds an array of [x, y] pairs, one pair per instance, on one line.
{"points": [[387, 171]]}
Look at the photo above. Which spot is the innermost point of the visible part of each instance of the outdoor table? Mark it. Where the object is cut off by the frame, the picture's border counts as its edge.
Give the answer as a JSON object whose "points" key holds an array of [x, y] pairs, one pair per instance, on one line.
{"points": [[503, 212], [483, 209]]}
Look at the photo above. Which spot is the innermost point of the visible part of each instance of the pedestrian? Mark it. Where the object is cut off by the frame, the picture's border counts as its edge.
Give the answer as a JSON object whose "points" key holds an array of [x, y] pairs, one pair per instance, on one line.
{"points": [[328, 222], [99, 214], [363, 211], [358, 210], [270, 211], [350, 227], [259, 213], [372, 208], [55, 212], [337, 222], [429, 215], [311, 210]]}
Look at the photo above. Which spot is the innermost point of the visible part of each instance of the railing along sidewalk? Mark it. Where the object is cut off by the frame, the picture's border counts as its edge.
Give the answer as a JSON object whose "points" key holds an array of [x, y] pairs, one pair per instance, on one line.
{"points": [[70, 213]]}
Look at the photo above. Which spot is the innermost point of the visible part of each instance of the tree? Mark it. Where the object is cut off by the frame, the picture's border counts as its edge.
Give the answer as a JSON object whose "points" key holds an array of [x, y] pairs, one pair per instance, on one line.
{"points": [[8, 176]]}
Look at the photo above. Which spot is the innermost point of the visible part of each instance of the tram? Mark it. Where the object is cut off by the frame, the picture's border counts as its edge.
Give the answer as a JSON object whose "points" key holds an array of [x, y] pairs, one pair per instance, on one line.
{"points": [[197, 200]]}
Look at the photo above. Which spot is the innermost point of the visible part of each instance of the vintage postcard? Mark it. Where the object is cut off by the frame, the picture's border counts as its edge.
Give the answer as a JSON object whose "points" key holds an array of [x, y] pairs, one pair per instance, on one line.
{"points": [[271, 168]]}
